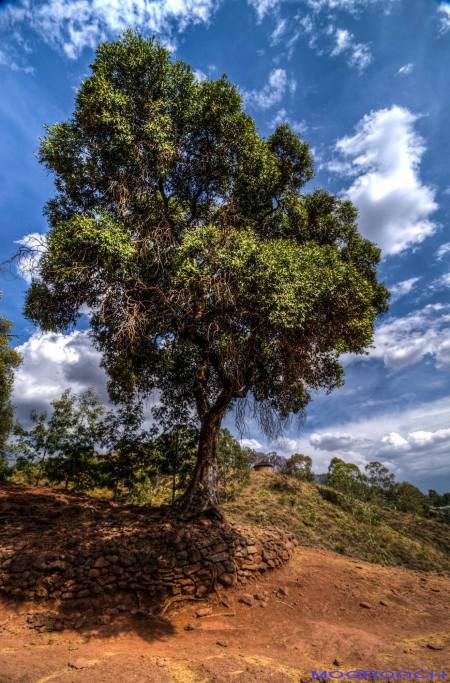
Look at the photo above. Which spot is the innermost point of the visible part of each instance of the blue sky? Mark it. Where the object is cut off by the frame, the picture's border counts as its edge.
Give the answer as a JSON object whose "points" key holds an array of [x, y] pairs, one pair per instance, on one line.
{"points": [[365, 82]]}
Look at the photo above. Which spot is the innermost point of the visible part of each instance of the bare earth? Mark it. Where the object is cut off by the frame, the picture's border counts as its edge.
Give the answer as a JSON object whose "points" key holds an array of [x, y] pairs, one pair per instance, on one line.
{"points": [[316, 623]]}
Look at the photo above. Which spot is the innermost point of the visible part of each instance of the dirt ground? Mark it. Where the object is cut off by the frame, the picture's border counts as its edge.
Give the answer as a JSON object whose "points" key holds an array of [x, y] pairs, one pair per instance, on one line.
{"points": [[332, 613]]}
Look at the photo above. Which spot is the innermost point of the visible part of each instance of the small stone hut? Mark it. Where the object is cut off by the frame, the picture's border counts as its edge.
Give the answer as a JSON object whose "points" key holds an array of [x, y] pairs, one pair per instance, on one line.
{"points": [[263, 465]]}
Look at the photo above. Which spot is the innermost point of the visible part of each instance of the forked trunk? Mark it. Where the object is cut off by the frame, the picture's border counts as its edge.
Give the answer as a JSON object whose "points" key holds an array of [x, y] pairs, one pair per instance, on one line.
{"points": [[202, 493]]}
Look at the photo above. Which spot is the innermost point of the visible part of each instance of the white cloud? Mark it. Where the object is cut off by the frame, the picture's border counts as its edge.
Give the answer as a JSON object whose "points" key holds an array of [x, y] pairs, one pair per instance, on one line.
{"points": [[278, 31], [403, 341], [414, 442], [406, 69], [263, 7], [443, 250], [347, 5], [283, 117], [200, 75], [9, 62], [272, 93], [254, 444], [52, 363], [444, 17], [402, 288], [32, 246], [358, 54], [394, 205], [72, 25]]}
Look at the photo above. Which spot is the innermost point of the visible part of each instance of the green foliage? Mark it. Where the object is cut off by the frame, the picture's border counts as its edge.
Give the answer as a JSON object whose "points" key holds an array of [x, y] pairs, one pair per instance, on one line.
{"points": [[9, 360], [208, 274], [408, 498], [128, 462], [347, 478], [299, 466], [234, 466]]}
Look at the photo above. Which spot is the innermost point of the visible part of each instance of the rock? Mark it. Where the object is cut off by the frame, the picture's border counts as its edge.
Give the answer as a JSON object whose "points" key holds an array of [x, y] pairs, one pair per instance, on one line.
{"points": [[79, 663], [189, 627], [263, 603], [226, 579], [203, 612], [222, 643], [283, 590], [246, 599], [58, 626], [337, 662], [384, 603], [366, 605], [435, 645]]}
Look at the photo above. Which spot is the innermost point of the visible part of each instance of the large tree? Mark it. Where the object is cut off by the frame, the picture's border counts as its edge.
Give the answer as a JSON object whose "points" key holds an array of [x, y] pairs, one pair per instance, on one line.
{"points": [[208, 274], [9, 360]]}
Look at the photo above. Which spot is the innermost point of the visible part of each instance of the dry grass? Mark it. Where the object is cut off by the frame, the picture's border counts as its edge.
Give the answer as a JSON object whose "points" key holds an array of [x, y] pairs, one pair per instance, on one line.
{"points": [[361, 531]]}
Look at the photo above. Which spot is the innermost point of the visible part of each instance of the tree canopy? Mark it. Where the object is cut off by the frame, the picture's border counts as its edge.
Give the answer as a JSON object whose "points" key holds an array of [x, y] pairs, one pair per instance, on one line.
{"points": [[9, 360], [209, 275]]}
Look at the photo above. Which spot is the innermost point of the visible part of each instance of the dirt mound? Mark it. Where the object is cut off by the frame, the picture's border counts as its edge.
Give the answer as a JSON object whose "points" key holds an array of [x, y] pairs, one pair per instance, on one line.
{"points": [[96, 559], [353, 528]]}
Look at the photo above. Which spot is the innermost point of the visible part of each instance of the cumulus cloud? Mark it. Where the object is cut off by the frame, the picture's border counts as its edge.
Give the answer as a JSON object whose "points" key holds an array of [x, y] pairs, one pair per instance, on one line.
{"points": [[358, 54], [444, 17], [402, 288], [278, 84], [416, 440], [52, 363], [406, 69], [403, 341], [72, 26], [254, 444], [330, 441], [413, 442], [384, 155]]}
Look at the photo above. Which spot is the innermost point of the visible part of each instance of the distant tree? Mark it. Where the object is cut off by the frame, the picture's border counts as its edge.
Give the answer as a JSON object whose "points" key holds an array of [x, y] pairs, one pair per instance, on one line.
{"points": [[408, 498], [379, 476], [32, 446], [129, 458], [347, 478], [176, 457], [299, 466], [438, 499], [381, 482], [209, 276], [9, 360], [234, 465], [76, 431]]}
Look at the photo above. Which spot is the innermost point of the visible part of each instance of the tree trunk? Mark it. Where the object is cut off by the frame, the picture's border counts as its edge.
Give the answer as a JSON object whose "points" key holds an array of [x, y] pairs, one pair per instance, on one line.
{"points": [[202, 493]]}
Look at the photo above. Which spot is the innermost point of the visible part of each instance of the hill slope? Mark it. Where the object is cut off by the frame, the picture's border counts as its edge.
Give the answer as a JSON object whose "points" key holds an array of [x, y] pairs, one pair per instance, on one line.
{"points": [[361, 531]]}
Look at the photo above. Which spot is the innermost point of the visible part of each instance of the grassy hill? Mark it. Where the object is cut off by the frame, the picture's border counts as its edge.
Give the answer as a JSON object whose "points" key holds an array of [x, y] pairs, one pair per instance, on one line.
{"points": [[355, 529]]}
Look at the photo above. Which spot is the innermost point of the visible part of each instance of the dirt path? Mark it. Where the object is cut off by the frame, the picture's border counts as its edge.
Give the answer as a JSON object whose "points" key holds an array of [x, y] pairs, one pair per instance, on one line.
{"points": [[333, 614]]}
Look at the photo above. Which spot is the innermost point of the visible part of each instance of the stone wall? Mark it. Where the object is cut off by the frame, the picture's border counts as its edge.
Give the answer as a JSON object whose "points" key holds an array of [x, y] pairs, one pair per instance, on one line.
{"points": [[80, 553]]}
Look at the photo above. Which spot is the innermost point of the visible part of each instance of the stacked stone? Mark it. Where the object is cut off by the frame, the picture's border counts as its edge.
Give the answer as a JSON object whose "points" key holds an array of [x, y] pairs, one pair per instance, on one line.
{"points": [[150, 560]]}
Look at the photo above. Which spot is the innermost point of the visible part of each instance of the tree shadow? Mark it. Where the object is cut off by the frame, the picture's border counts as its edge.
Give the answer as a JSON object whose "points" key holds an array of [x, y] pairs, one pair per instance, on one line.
{"points": [[101, 568]]}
